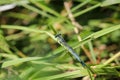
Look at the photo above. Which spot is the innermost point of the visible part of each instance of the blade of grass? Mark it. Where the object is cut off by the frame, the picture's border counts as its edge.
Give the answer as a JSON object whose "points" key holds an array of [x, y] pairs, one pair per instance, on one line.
{"points": [[109, 2], [96, 2], [92, 52], [27, 29], [98, 34], [36, 10], [44, 7], [86, 10], [18, 61], [111, 59], [6, 2], [19, 16], [67, 74], [92, 1], [103, 32], [9, 56], [26, 73], [107, 71], [80, 5], [4, 45]]}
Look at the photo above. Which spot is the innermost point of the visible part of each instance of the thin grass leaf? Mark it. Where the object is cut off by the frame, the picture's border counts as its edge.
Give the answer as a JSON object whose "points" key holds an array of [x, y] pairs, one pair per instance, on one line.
{"points": [[80, 5], [36, 10], [4, 45], [86, 10], [110, 2], [107, 71], [103, 32], [18, 61], [111, 59], [19, 16], [9, 56], [67, 74], [97, 35], [26, 73], [12, 77], [6, 2], [92, 52], [45, 7], [27, 29]]}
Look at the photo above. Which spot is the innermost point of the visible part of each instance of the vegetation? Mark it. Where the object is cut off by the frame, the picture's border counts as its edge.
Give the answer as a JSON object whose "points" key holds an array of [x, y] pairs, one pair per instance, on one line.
{"points": [[29, 49]]}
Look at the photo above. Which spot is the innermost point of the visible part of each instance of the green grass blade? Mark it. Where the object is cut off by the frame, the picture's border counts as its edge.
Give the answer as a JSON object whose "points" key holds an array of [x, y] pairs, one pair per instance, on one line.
{"points": [[80, 5], [44, 7], [26, 73], [19, 16], [103, 32], [18, 61], [67, 74], [4, 45], [109, 2], [106, 71], [97, 35], [111, 59], [92, 52], [6, 2], [27, 29], [36, 10], [86, 10], [8, 56]]}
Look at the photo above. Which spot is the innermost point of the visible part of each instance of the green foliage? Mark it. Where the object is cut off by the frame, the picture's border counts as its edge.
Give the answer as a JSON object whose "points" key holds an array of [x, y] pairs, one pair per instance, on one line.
{"points": [[110, 2], [5, 47], [30, 51]]}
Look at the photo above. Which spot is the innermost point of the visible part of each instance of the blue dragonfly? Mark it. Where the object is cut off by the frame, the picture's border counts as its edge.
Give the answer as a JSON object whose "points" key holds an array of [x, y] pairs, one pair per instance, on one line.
{"points": [[63, 43]]}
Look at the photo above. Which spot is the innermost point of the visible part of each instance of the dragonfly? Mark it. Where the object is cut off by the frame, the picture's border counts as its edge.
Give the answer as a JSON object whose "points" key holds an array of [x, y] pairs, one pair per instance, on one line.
{"points": [[69, 48], [63, 43]]}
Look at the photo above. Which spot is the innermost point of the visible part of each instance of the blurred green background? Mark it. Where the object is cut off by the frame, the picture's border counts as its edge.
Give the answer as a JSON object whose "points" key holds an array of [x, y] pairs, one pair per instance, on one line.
{"points": [[29, 50]]}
